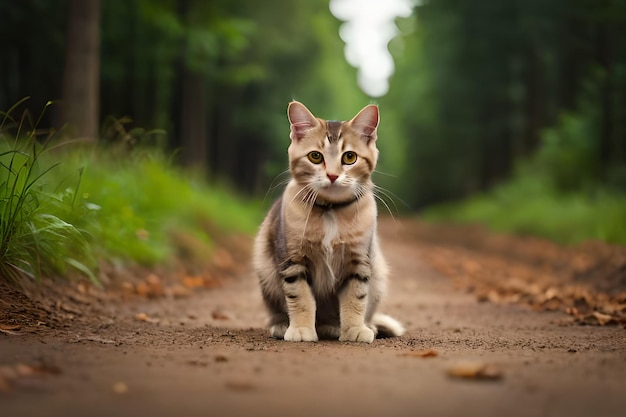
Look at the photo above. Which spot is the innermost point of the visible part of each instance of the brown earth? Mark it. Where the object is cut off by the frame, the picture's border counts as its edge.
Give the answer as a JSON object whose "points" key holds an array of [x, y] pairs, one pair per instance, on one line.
{"points": [[549, 341]]}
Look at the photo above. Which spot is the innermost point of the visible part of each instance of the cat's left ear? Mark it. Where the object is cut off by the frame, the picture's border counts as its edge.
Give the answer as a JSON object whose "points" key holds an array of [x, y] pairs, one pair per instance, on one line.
{"points": [[366, 121]]}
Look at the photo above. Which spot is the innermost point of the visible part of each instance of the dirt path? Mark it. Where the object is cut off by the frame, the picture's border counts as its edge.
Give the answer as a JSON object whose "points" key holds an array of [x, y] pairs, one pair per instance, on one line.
{"points": [[209, 355]]}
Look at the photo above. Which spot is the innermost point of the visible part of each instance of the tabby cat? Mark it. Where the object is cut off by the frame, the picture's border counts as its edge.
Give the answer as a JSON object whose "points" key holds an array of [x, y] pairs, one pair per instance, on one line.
{"points": [[320, 268]]}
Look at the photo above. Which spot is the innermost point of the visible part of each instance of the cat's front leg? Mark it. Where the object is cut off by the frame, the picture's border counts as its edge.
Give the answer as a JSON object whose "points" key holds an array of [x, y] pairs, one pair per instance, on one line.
{"points": [[352, 305], [301, 305]]}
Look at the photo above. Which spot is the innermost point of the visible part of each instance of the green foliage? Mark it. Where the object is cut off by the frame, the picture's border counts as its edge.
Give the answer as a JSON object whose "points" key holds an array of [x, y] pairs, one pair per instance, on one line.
{"points": [[136, 203], [125, 209], [569, 153], [35, 238], [529, 205], [63, 206], [478, 82]]}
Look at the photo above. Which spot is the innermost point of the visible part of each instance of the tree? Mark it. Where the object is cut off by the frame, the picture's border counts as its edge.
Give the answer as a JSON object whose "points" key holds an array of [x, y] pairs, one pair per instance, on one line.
{"points": [[480, 83], [81, 78]]}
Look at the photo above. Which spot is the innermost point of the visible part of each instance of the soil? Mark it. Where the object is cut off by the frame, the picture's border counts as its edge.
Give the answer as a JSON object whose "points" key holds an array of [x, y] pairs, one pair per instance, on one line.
{"points": [[496, 326]]}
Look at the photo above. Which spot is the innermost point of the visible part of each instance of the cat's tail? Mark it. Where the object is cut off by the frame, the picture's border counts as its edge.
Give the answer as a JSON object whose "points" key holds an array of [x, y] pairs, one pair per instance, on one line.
{"points": [[387, 326]]}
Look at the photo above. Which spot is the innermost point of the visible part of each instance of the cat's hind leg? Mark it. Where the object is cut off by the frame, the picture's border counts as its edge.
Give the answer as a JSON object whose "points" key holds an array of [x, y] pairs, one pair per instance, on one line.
{"points": [[328, 331], [278, 324]]}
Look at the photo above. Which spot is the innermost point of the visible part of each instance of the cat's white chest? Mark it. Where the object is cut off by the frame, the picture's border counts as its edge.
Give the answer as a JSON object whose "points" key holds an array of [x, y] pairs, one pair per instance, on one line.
{"points": [[331, 231]]}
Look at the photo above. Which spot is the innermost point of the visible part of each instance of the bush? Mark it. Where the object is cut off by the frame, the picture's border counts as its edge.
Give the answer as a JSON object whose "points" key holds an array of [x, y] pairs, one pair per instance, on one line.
{"points": [[35, 237], [64, 207], [527, 205]]}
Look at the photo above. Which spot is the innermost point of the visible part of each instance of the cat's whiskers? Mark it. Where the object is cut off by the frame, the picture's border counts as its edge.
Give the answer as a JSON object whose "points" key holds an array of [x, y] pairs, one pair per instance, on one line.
{"points": [[378, 191], [309, 201], [392, 197], [301, 195], [379, 172], [307, 196], [277, 182]]}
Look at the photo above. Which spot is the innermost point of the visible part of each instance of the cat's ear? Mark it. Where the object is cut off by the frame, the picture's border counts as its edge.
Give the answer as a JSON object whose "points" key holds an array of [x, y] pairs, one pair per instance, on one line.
{"points": [[300, 119], [366, 121]]}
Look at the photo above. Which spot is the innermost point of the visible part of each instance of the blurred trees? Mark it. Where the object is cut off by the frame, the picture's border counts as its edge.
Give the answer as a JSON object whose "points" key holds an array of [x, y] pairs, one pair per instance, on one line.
{"points": [[479, 83], [479, 86], [215, 75]]}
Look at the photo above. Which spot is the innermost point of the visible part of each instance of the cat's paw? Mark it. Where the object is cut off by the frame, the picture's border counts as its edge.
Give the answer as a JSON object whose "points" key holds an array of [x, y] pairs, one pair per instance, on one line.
{"points": [[357, 334], [277, 331], [328, 331], [300, 334]]}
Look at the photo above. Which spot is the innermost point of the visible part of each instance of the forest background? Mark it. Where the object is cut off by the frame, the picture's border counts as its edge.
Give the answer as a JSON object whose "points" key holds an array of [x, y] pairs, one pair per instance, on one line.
{"points": [[508, 113]]}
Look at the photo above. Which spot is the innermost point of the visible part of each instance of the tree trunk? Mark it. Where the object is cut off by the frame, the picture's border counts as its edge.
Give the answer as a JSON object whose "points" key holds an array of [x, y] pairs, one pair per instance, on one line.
{"points": [[605, 53], [193, 127], [81, 80]]}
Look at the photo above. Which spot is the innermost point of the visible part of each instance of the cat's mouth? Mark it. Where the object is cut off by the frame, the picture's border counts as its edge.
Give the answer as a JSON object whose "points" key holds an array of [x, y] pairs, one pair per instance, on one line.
{"points": [[335, 193]]}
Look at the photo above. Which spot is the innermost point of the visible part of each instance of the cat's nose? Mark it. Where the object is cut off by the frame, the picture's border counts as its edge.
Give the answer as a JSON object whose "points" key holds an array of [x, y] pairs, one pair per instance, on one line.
{"points": [[332, 177]]}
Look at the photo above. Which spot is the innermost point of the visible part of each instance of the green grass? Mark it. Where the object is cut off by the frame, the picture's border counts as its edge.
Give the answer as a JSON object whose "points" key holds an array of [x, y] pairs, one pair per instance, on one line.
{"points": [[135, 206], [63, 207], [530, 205], [35, 240]]}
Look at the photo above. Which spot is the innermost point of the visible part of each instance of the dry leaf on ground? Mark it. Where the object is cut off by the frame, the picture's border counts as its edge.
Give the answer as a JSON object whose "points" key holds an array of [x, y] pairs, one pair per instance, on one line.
{"points": [[427, 353], [120, 387], [4, 384], [11, 329], [580, 280], [478, 371], [146, 318], [10, 373], [221, 314], [193, 282], [240, 385]]}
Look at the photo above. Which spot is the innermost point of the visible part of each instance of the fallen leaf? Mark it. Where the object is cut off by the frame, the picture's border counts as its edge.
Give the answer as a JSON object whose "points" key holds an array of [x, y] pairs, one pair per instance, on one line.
{"points": [[44, 369], [178, 291], [223, 260], [25, 370], [478, 371], [4, 384], [120, 387], [193, 282], [153, 279], [221, 314], [428, 353], [603, 319], [221, 358], [240, 385], [10, 329], [197, 363], [10, 373], [146, 318]]}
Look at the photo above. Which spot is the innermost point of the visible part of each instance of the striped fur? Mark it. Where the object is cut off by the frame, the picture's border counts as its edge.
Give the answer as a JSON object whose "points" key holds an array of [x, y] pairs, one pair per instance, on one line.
{"points": [[316, 255]]}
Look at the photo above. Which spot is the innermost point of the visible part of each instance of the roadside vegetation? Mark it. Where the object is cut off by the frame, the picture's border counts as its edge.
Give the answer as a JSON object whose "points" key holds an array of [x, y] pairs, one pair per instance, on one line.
{"points": [[66, 205], [558, 193]]}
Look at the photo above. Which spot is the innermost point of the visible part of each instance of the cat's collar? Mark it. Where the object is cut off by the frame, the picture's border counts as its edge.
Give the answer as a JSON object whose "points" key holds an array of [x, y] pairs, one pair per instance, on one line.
{"points": [[327, 205]]}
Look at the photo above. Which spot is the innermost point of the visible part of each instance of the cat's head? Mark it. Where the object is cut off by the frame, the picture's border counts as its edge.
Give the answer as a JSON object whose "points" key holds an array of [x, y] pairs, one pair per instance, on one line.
{"points": [[333, 160]]}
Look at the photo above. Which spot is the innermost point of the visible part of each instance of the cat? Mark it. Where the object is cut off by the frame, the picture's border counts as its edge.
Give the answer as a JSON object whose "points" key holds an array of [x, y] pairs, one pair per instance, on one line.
{"points": [[317, 256]]}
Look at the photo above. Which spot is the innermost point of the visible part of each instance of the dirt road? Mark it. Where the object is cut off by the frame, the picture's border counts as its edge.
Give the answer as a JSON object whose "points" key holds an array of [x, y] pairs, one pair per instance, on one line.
{"points": [[210, 355]]}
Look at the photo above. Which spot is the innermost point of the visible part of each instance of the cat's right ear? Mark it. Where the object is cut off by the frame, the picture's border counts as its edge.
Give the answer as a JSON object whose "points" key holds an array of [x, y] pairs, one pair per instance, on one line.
{"points": [[300, 119]]}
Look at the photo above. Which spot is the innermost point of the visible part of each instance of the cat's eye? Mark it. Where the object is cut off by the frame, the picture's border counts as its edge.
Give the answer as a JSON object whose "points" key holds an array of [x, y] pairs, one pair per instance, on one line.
{"points": [[348, 158], [315, 157]]}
